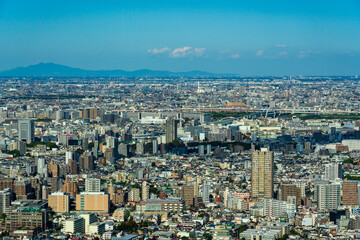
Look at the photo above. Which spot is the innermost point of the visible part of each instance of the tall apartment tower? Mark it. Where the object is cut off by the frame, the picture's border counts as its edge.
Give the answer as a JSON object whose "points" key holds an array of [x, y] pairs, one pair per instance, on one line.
{"points": [[206, 192], [328, 196], [262, 174], [144, 191], [333, 171], [26, 130], [171, 130]]}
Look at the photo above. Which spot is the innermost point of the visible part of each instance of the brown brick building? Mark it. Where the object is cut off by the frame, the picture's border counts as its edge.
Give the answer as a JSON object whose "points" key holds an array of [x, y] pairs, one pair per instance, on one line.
{"points": [[349, 193], [70, 187], [290, 190]]}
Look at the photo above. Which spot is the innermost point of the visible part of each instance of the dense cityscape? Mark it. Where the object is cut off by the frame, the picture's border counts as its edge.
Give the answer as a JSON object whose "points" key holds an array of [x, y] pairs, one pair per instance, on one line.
{"points": [[179, 120], [180, 158]]}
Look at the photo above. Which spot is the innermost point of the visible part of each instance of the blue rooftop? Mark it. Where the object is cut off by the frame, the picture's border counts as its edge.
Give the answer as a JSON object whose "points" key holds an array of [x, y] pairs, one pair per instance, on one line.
{"points": [[126, 237]]}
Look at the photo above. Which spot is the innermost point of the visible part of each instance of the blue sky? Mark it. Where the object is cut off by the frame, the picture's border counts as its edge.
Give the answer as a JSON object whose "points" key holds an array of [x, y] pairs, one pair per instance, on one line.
{"points": [[245, 37]]}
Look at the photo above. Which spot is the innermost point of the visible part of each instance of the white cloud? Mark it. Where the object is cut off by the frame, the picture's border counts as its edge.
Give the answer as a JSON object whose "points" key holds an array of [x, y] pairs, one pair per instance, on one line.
{"points": [[283, 53], [198, 52], [229, 54], [181, 52], [187, 52], [225, 51], [307, 53], [235, 56], [178, 52], [260, 53], [281, 45], [348, 52], [156, 51]]}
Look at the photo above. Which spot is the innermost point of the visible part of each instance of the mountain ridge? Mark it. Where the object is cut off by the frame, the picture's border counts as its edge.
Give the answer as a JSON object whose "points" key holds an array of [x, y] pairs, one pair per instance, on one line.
{"points": [[59, 70]]}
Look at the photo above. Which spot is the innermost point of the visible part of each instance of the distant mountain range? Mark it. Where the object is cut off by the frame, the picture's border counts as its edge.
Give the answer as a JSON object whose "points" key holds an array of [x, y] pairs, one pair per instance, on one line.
{"points": [[57, 70]]}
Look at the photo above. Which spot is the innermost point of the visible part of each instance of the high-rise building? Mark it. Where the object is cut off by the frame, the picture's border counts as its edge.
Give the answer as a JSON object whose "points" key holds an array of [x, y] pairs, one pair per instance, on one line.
{"points": [[201, 150], [74, 225], [226, 196], [112, 191], [22, 189], [6, 183], [92, 185], [73, 167], [205, 118], [41, 167], [54, 184], [134, 195], [349, 193], [69, 155], [5, 200], [44, 192], [290, 190], [85, 144], [155, 146], [206, 193], [123, 150], [59, 202], [86, 161], [18, 145], [262, 174], [144, 191], [333, 171], [328, 196], [26, 130], [302, 187], [90, 113], [89, 218], [54, 169], [70, 187], [187, 193], [171, 130], [140, 148]]}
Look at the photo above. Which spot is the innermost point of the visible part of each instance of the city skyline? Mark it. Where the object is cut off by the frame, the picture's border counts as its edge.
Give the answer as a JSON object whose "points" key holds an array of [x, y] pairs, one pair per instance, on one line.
{"points": [[247, 38]]}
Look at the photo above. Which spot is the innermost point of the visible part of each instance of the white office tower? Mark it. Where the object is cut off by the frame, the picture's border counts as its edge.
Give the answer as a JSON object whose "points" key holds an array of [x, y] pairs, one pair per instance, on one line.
{"points": [[328, 196], [206, 193], [333, 171], [73, 225], [70, 155], [42, 167], [92, 185], [89, 218]]}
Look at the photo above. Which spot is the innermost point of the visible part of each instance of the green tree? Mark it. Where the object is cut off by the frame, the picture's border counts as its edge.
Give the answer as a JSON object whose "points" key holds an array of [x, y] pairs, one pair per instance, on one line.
{"points": [[15, 153], [208, 236], [58, 227], [144, 224]]}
